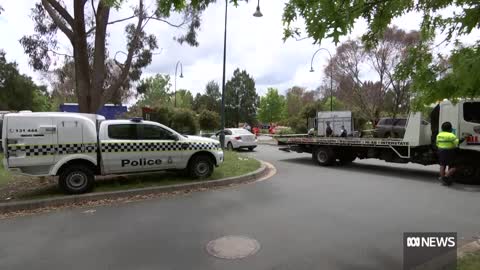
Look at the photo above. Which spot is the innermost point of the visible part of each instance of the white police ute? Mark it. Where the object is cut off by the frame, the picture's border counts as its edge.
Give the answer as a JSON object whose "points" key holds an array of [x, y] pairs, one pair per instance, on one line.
{"points": [[76, 147]]}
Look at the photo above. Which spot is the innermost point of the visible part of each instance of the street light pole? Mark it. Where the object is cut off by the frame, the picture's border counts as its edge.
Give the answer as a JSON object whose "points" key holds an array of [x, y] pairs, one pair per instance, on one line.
{"points": [[222, 112], [222, 132], [331, 74], [181, 76]]}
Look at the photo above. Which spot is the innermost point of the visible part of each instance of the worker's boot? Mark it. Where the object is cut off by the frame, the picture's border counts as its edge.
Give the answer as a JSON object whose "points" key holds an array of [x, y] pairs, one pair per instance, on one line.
{"points": [[446, 181]]}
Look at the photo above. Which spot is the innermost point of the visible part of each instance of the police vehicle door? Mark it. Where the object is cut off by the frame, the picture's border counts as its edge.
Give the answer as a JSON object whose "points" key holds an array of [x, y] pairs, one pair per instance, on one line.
{"points": [[30, 142], [121, 151], [162, 150], [69, 137]]}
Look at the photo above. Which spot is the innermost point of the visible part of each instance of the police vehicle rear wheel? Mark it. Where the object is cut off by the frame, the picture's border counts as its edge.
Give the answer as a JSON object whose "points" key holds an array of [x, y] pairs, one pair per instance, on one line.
{"points": [[323, 156], [76, 179], [200, 167]]}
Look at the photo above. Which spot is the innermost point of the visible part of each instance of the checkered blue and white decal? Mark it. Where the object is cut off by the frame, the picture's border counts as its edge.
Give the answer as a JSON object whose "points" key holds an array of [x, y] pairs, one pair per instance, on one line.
{"points": [[51, 149], [157, 146], [113, 147]]}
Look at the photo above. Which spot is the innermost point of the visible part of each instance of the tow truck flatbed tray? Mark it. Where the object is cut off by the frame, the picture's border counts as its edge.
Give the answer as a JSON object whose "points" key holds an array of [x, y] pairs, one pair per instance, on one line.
{"points": [[364, 142]]}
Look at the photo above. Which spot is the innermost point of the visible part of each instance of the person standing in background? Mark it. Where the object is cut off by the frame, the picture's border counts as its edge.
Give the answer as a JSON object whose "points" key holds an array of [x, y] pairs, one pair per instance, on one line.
{"points": [[247, 126], [343, 132], [447, 144], [328, 131]]}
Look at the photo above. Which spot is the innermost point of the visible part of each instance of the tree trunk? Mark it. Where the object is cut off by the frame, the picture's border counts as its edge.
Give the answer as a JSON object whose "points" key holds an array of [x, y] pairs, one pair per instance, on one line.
{"points": [[99, 69], [82, 67]]}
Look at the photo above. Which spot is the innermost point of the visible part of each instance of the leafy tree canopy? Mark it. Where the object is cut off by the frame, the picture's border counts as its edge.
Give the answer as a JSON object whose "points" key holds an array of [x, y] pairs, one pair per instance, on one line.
{"points": [[433, 78], [241, 99], [19, 92], [155, 92], [184, 99], [272, 106], [86, 28], [210, 100], [336, 18], [209, 120]]}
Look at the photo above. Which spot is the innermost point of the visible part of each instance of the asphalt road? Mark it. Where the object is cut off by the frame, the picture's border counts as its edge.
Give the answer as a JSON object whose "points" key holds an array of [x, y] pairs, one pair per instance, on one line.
{"points": [[305, 217]]}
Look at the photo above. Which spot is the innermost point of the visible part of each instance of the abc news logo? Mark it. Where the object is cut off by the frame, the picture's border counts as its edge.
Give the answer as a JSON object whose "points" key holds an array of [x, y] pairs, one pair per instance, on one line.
{"points": [[431, 242], [429, 250]]}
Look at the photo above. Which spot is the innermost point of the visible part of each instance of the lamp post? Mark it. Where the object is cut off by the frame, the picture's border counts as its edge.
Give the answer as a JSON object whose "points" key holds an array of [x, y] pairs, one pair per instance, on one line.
{"points": [[331, 74], [222, 110], [181, 76]]}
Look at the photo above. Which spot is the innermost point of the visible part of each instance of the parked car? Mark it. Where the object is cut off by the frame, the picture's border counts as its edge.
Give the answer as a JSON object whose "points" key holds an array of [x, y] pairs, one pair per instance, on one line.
{"points": [[236, 138], [390, 128]]}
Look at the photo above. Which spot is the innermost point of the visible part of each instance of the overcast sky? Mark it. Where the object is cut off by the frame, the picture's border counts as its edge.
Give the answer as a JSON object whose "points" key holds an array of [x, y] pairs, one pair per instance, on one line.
{"points": [[253, 44]]}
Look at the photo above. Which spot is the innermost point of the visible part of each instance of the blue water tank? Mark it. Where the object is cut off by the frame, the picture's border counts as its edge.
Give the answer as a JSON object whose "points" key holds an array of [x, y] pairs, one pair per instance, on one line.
{"points": [[109, 111]]}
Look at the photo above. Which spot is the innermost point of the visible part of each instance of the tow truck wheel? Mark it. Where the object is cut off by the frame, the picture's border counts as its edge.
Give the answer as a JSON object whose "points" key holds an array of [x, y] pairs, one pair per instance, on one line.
{"points": [[467, 175], [324, 156], [346, 158], [200, 167], [76, 179]]}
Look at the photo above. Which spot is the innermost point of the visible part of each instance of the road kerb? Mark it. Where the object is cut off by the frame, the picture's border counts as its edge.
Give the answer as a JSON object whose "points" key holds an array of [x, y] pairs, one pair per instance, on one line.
{"points": [[77, 199]]}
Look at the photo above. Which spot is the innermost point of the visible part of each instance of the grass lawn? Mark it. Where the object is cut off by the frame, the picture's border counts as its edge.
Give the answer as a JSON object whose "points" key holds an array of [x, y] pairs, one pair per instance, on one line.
{"points": [[235, 164], [469, 262], [4, 175]]}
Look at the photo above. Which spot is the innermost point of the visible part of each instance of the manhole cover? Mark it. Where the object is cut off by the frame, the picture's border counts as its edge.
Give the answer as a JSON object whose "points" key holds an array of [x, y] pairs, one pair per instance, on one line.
{"points": [[233, 247]]}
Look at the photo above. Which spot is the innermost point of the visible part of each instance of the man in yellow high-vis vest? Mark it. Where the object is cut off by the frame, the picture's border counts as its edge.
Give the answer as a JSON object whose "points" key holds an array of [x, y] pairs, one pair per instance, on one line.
{"points": [[447, 144]]}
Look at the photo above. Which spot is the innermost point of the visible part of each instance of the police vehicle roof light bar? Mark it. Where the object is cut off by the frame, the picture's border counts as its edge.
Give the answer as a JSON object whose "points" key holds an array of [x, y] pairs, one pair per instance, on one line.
{"points": [[136, 119]]}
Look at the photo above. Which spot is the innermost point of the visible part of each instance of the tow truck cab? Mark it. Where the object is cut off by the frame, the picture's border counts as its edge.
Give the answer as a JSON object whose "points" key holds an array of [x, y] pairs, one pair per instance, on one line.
{"points": [[465, 119], [76, 147]]}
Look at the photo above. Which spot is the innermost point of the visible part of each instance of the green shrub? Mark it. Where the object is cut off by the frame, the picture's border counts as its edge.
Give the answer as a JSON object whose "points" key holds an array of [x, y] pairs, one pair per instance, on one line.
{"points": [[284, 131], [163, 115], [296, 123], [184, 121], [209, 120]]}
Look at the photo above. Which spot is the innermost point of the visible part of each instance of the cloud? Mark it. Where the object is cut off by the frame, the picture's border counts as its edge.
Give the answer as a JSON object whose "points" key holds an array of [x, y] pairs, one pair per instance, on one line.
{"points": [[253, 44]]}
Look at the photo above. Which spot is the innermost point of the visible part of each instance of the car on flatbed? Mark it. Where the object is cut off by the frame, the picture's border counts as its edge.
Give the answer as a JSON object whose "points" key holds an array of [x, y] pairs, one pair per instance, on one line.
{"points": [[390, 128], [77, 147]]}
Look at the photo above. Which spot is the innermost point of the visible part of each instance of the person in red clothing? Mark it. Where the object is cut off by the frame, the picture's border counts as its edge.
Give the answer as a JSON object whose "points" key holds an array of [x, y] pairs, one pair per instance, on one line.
{"points": [[255, 130], [272, 129]]}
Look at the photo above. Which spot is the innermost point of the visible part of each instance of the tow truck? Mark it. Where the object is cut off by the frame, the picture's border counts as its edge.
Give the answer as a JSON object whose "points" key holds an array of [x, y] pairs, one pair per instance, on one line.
{"points": [[417, 146]]}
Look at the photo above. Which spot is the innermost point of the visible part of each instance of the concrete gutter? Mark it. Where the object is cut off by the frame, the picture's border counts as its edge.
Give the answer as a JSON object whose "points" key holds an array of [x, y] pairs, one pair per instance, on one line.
{"points": [[112, 195]]}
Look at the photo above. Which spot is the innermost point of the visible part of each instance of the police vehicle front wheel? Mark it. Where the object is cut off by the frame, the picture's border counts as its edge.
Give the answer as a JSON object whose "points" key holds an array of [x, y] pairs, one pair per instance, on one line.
{"points": [[200, 167], [76, 179]]}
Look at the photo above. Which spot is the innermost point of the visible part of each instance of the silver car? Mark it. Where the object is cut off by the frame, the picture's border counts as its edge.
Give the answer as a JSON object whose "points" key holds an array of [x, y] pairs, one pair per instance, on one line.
{"points": [[236, 138]]}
